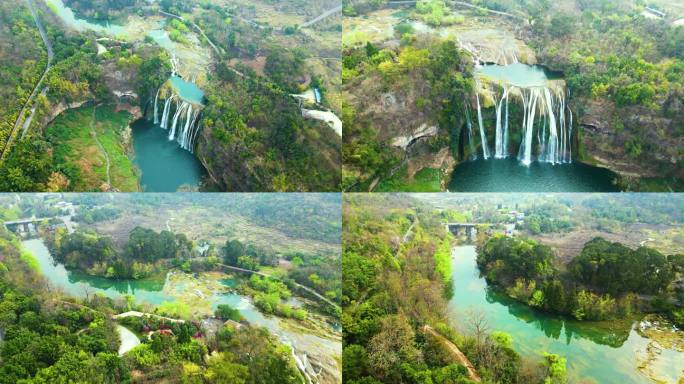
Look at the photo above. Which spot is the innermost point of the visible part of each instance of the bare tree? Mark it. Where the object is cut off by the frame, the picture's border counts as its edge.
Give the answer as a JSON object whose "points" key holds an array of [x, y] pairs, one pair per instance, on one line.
{"points": [[87, 291], [477, 324]]}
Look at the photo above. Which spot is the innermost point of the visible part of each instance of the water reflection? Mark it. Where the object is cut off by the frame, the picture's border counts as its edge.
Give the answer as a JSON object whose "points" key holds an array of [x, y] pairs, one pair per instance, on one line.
{"points": [[612, 334]]}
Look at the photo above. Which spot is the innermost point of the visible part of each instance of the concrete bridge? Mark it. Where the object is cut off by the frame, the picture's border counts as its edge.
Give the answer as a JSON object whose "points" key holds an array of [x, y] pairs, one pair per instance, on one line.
{"points": [[30, 225], [25, 225], [468, 229]]}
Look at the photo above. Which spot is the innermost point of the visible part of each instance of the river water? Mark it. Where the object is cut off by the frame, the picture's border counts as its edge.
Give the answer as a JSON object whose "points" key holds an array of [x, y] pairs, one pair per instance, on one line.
{"points": [[317, 350], [509, 175], [163, 164], [597, 352], [518, 74]]}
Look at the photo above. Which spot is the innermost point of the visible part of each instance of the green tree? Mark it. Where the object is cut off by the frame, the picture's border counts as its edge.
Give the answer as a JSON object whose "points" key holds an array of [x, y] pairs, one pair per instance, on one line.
{"points": [[232, 251], [226, 312]]}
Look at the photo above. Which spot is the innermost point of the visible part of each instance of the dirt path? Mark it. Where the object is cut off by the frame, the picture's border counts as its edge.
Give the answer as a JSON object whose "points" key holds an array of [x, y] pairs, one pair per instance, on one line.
{"points": [[455, 352], [93, 132]]}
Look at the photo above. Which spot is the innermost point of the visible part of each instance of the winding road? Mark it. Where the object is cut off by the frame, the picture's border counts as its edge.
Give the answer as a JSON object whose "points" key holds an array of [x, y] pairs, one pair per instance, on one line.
{"points": [[51, 54], [304, 287], [463, 4], [322, 17]]}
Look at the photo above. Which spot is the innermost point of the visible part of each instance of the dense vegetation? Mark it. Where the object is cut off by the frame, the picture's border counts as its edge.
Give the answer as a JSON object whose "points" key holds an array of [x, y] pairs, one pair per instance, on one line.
{"points": [[48, 345], [393, 288], [50, 339], [245, 355], [248, 149], [447, 73], [549, 218], [610, 52], [145, 253], [46, 159], [320, 272], [22, 60], [601, 283]]}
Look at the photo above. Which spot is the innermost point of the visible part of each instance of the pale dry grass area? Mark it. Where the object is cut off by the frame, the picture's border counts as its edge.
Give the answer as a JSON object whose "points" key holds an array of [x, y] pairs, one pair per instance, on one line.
{"points": [[665, 238], [199, 223]]}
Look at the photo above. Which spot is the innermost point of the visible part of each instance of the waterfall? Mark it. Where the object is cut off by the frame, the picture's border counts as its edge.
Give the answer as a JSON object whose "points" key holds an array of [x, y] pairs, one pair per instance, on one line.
{"points": [[505, 137], [547, 125], [174, 65], [552, 146], [483, 135], [156, 114], [570, 138], [179, 111], [501, 127], [469, 123], [528, 126], [180, 117], [165, 115], [183, 137]]}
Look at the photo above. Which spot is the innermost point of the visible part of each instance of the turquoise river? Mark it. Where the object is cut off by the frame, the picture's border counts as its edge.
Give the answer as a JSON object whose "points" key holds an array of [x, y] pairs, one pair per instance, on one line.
{"points": [[596, 353], [307, 347]]}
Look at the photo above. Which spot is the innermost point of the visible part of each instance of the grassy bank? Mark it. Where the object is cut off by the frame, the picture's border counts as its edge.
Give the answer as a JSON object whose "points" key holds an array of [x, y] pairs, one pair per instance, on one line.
{"points": [[78, 154]]}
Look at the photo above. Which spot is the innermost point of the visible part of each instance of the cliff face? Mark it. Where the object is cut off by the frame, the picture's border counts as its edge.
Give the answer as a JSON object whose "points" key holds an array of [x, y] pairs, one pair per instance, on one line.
{"points": [[233, 166], [609, 136], [403, 124], [225, 165], [253, 138]]}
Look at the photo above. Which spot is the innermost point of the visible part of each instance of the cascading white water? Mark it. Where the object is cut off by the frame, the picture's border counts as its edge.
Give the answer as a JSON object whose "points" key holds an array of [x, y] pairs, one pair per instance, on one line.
{"points": [[483, 135], [505, 136], [181, 118], [183, 138], [156, 114], [528, 127], [569, 159], [551, 155], [179, 110], [469, 123], [165, 114], [501, 127], [545, 115]]}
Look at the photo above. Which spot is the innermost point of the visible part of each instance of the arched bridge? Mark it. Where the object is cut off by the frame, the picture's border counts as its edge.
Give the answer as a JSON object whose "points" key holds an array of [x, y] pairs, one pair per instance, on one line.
{"points": [[29, 225], [468, 229], [25, 225]]}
